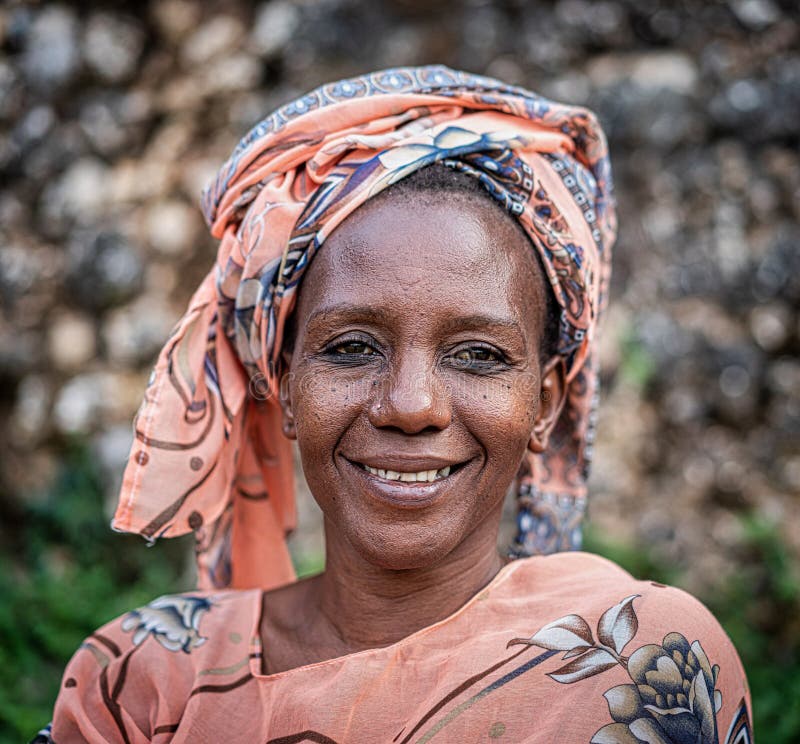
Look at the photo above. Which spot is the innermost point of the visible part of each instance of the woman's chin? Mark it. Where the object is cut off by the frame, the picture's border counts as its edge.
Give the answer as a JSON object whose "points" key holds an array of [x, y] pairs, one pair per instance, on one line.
{"points": [[402, 552]]}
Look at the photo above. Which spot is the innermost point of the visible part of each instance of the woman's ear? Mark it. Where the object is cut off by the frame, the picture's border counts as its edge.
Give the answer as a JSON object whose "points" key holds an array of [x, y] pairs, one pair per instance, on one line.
{"points": [[552, 395], [285, 395]]}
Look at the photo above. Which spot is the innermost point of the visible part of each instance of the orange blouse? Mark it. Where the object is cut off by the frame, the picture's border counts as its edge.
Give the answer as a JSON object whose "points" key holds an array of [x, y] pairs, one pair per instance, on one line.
{"points": [[560, 648]]}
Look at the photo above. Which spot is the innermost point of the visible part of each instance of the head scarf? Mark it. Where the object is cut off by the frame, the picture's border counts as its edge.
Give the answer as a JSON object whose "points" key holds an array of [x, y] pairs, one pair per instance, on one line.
{"points": [[209, 455]]}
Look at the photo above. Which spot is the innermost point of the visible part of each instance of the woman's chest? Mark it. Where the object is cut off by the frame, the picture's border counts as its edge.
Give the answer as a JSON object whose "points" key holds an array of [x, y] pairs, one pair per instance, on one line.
{"points": [[402, 697]]}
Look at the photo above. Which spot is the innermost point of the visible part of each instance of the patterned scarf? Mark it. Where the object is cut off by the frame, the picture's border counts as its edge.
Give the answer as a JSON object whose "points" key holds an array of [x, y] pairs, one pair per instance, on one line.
{"points": [[208, 454]]}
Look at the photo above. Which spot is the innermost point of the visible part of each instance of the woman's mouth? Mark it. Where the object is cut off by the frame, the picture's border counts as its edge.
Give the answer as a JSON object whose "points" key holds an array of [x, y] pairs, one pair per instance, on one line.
{"points": [[407, 488], [420, 476]]}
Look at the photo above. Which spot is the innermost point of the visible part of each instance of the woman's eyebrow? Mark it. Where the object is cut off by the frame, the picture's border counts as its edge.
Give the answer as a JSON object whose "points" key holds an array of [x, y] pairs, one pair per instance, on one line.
{"points": [[348, 313], [480, 321]]}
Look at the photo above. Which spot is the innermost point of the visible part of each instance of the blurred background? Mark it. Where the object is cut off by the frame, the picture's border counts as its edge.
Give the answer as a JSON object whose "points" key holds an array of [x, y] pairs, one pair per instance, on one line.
{"points": [[112, 117]]}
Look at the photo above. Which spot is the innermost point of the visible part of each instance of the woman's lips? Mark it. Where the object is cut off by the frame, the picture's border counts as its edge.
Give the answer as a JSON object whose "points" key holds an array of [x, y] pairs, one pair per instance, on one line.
{"points": [[397, 487], [420, 476]]}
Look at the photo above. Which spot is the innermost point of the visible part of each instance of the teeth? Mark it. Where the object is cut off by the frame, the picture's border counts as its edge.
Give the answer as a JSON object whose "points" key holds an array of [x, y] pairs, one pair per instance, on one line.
{"points": [[423, 476]]}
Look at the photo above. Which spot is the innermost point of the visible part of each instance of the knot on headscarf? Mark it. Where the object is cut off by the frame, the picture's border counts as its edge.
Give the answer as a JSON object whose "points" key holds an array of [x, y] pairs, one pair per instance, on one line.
{"points": [[208, 454]]}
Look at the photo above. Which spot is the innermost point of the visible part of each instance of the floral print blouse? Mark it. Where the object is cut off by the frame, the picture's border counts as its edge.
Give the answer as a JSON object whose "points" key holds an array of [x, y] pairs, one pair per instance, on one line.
{"points": [[566, 648]]}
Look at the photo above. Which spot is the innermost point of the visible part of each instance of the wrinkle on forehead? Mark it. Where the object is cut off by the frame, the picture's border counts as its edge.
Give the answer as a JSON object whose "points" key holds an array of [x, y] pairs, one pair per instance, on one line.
{"points": [[351, 245]]}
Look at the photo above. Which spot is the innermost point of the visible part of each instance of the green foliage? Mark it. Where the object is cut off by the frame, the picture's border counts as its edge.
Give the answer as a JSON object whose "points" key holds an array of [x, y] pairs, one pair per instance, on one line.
{"points": [[65, 573], [759, 609], [308, 564], [637, 366], [637, 562]]}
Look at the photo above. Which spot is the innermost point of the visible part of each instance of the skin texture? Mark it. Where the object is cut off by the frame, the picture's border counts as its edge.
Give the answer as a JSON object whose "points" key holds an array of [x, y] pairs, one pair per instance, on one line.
{"points": [[417, 346]]}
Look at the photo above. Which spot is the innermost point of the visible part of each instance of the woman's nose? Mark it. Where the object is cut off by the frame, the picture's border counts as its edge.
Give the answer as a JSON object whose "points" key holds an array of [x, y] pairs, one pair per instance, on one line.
{"points": [[411, 397]]}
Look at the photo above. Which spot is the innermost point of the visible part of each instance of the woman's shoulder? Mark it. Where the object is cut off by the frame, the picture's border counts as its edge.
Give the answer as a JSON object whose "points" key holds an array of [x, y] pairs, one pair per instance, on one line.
{"points": [[606, 596], [655, 653], [141, 667], [592, 578]]}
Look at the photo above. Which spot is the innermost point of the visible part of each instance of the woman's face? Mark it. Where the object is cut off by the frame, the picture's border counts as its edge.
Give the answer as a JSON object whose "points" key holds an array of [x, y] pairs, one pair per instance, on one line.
{"points": [[414, 386]]}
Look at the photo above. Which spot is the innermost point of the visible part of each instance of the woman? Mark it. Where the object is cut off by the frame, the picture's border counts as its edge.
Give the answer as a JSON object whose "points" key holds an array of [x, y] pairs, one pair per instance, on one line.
{"points": [[440, 345]]}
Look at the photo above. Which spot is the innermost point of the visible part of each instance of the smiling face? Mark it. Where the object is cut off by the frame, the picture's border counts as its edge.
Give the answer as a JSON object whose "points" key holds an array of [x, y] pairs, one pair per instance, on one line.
{"points": [[414, 385]]}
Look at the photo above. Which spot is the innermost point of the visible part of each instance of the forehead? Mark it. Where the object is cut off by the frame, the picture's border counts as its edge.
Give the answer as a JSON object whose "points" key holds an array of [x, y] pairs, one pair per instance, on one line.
{"points": [[441, 251]]}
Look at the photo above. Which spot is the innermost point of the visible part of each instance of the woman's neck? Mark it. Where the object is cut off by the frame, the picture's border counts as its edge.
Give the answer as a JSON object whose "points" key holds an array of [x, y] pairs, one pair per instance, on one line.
{"points": [[365, 606]]}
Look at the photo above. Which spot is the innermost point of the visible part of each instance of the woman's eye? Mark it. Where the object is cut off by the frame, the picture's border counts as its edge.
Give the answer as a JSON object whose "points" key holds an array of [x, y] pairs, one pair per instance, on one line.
{"points": [[476, 357], [354, 348]]}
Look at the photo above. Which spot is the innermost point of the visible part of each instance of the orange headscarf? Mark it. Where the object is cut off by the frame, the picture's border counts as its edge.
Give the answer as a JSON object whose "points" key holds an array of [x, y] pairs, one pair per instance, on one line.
{"points": [[209, 455]]}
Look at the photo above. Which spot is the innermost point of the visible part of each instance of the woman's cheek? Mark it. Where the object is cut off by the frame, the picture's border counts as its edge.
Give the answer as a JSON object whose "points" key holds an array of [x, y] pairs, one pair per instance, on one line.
{"points": [[506, 406], [324, 398]]}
